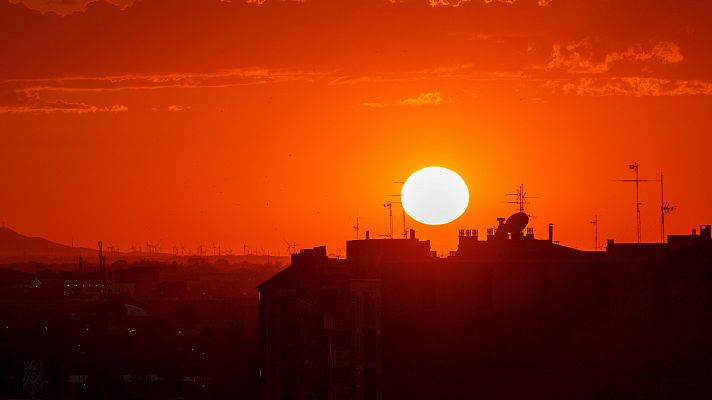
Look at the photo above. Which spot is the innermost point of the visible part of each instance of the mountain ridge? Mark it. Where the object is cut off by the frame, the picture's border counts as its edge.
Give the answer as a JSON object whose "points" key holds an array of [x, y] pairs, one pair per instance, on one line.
{"points": [[16, 247]]}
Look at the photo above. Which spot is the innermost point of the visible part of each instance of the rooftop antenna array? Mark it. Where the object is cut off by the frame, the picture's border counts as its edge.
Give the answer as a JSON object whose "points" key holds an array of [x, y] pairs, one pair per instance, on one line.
{"points": [[389, 206], [635, 167], [665, 208], [594, 222], [521, 198]]}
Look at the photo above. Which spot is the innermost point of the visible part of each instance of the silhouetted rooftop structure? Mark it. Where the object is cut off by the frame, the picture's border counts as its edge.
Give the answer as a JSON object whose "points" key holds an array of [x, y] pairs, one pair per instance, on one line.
{"points": [[510, 316]]}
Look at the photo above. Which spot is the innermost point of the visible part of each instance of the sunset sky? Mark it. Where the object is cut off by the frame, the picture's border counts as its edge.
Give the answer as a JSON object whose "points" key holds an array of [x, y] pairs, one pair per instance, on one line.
{"points": [[204, 121]]}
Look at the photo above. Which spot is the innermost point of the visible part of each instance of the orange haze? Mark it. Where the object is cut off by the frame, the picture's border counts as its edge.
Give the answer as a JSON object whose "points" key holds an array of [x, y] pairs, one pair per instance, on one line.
{"points": [[204, 121]]}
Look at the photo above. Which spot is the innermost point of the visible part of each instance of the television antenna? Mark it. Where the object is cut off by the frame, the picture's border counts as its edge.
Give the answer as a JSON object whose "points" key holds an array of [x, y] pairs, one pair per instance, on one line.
{"points": [[389, 205], [665, 208], [594, 222], [520, 198], [635, 167]]}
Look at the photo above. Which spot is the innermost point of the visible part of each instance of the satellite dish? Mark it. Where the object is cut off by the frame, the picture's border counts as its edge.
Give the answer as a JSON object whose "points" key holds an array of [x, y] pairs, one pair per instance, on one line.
{"points": [[516, 222]]}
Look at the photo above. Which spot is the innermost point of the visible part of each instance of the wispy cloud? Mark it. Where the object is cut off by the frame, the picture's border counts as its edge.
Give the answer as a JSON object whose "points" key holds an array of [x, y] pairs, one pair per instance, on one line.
{"points": [[630, 86], [176, 108], [458, 3], [423, 99], [31, 95], [224, 78], [578, 58], [52, 95], [62, 107]]}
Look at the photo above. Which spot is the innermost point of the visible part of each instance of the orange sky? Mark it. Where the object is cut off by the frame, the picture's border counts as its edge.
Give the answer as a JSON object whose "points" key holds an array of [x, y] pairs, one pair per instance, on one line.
{"points": [[206, 121]]}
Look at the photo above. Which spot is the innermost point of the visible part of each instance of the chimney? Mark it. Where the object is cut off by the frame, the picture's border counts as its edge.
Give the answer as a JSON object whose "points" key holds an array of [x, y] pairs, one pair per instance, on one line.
{"points": [[490, 233], [551, 233], [368, 235], [412, 233], [706, 231]]}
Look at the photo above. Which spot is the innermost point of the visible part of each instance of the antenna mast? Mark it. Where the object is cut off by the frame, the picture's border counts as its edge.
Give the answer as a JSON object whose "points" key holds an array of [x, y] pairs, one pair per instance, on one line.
{"points": [[389, 205], [635, 167], [356, 227], [521, 198], [594, 222], [665, 208]]}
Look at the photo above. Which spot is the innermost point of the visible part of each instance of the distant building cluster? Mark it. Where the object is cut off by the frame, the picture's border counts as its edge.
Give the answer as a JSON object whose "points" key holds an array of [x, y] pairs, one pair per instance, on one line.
{"points": [[505, 316], [125, 331]]}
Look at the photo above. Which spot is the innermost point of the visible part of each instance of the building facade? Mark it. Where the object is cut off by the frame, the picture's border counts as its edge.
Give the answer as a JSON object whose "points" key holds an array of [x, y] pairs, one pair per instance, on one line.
{"points": [[507, 317]]}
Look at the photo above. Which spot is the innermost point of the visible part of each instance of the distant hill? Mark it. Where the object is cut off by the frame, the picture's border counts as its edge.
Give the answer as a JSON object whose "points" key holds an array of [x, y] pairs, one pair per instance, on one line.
{"points": [[15, 247]]}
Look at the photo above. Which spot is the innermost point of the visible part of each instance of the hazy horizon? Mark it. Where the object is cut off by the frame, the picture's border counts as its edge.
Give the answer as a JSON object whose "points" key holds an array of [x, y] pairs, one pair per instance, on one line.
{"points": [[265, 122]]}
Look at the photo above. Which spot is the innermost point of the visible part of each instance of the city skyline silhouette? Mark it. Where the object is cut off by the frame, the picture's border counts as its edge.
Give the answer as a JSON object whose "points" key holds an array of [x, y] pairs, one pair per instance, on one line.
{"points": [[355, 199], [202, 134]]}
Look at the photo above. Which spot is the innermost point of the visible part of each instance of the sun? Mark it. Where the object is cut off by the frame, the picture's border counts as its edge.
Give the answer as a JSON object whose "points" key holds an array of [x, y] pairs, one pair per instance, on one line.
{"points": [[435, 196]]}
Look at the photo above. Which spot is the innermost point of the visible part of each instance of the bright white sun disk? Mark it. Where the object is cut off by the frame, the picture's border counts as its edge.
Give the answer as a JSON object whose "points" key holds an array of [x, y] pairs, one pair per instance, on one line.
{"points": [[435, 196]]}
